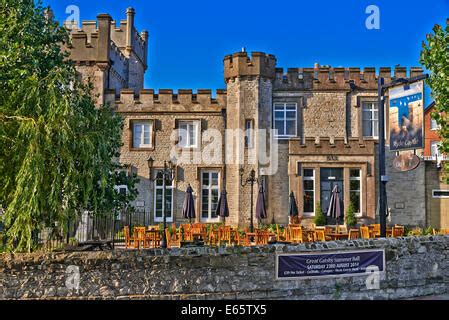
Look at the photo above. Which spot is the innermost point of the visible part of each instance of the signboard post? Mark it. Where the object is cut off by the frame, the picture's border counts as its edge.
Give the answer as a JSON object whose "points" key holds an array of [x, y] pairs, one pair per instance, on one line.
{"points": [[329, 264], [404, 124]]}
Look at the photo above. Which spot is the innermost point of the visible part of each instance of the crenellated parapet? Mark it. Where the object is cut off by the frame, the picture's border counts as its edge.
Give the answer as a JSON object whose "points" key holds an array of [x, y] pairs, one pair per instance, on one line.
{"points": [[147, 100], [240, 64], [338, 78], [331, 145], [91, 44]]}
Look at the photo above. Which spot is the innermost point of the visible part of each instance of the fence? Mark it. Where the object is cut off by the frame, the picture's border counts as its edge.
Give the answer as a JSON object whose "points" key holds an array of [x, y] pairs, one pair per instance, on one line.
{"points": [[89, 228]]}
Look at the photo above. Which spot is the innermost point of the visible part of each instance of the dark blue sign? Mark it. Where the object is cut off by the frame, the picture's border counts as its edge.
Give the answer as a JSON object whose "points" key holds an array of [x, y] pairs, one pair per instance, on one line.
{"points": [[345, 263]]}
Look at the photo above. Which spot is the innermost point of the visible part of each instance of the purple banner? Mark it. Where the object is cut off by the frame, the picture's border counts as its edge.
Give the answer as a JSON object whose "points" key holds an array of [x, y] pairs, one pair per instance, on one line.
{"points": [[346, 263]]}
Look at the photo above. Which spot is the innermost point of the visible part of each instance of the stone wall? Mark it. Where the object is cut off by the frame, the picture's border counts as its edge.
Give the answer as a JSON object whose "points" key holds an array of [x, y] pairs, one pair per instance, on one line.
{"points": [[406, 194], [415, 266]]}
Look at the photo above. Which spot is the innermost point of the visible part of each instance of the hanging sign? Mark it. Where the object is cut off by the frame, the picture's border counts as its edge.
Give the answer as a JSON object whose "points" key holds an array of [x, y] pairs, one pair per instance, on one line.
{"points": [[406, 116], [406, 162]]}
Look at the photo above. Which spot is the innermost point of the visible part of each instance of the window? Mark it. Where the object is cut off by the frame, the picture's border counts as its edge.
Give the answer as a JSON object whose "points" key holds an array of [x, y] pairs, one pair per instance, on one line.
{"points": [[249, 133], [188, 134], [440, 193], [309, 191], [354, 190], [433, 124], [434, 152], [142, 132], [159, 196], [209, 195], [370, 119], [285, 119]]}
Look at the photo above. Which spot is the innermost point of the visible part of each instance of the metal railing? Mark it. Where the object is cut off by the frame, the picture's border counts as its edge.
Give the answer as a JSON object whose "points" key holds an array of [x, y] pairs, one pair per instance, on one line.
{"points": [[90, 229]]}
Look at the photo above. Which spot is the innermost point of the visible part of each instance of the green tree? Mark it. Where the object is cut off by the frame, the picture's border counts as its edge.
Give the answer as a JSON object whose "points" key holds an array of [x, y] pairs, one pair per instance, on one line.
{"points": [[435, 57], [350, 218], [320, 218], [56, 147]]}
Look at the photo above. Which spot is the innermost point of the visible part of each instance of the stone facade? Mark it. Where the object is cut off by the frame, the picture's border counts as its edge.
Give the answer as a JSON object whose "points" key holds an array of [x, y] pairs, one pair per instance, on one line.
{"points": [[323, 104], [415, 266]]}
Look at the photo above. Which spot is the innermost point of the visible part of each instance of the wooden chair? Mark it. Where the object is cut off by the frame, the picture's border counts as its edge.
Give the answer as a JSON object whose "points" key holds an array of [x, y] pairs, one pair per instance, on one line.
{"points": [[173, 240], [342, 228], [212, 237], [262, 237], [282, 235], [353, 234], [129, 241], [139, 237], [364, 232], [375, 231], [328, 230], [320, 234], [224, 235], [199, 230], [295, 234], [186, 232], [154, 238], [397, 231]]}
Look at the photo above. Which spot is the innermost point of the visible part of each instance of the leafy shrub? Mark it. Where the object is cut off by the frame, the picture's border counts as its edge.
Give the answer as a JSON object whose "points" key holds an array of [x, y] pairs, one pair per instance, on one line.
{"points": [[350, 218], [320, 218]]}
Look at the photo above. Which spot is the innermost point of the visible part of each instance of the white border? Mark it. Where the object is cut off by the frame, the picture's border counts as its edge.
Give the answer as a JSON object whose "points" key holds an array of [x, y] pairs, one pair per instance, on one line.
{"points": [[326, 253]]}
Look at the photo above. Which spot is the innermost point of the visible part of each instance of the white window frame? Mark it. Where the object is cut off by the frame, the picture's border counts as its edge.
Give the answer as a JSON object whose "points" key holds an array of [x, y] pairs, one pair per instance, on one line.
{"points": [[210, 187], [142, 134], [372, 111], [434, 146], [434, 125], [194, 124], [156, 187], [359, 178], [440, 197], [283, 105], [312, 178]]}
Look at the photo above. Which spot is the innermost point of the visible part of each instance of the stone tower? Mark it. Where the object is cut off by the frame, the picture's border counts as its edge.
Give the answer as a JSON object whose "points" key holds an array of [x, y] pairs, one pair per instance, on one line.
{"points": [[249, 83], [110, 56]]}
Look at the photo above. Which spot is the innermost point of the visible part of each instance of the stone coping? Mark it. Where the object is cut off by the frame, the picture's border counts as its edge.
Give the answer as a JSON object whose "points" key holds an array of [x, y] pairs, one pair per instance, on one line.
{"points": [[413, 242]]}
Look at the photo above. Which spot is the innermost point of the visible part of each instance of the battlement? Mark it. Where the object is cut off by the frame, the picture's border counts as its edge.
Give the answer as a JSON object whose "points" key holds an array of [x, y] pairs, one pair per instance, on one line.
{"points": [[100, 33], [127, 100], [331, 145], [339, 78], [240, 64]]}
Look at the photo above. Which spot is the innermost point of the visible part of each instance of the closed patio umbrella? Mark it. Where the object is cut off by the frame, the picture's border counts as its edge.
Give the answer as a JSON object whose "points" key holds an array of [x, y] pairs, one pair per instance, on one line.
{"points": [[292, 207], [334, 210], [188, 208], [222, 209], [261, 212]]}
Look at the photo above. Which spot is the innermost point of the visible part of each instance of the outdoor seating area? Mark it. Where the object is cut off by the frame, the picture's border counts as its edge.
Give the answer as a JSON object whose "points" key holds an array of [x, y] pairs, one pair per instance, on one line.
{"points": [[203, 234]]}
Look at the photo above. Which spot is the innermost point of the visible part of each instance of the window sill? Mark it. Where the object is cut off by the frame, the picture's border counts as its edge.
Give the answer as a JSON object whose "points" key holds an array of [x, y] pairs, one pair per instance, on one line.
{"points": [[142, 149]]}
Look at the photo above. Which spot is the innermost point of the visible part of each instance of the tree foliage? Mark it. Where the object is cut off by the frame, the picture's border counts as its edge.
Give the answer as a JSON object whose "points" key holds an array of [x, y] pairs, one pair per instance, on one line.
{"points": [[435, 57], [56, 147]]}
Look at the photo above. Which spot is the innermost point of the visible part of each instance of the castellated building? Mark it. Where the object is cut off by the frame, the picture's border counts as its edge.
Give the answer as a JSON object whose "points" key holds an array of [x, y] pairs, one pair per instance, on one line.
{"points": [[326, 120]]}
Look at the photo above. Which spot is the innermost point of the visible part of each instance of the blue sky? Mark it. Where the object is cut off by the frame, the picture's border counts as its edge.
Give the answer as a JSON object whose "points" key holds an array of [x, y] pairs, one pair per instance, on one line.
{"points": [[188, 39]]}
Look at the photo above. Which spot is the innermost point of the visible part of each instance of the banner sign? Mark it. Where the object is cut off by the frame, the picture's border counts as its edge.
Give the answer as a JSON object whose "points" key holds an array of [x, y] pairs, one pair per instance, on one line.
{"points": [[406, 116], [332, 264]]}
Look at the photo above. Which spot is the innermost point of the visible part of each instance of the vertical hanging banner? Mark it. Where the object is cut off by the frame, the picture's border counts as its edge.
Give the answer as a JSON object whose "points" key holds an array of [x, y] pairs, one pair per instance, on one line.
{"points": [[406, 116]]}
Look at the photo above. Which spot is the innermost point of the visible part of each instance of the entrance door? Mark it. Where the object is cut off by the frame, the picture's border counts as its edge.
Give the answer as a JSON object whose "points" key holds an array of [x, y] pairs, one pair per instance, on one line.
{"points": [[330, 177]]}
